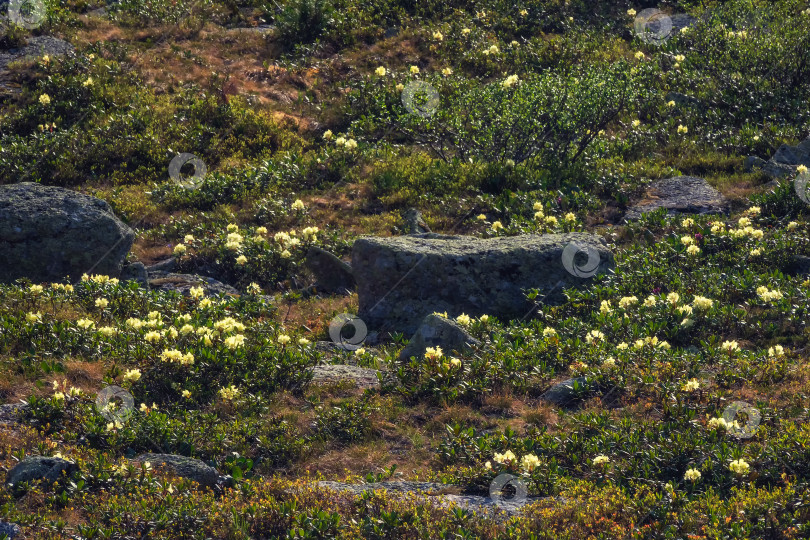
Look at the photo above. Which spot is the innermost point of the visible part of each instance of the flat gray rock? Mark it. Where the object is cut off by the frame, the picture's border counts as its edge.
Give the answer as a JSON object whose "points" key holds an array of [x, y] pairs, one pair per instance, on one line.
{"points": [[362, 377], [787, 159], [12, 530], [10, 413], [680, 194], [401, 279], [442, 495], [183, 283], [34, 468], [186, 467], [50, 233]]}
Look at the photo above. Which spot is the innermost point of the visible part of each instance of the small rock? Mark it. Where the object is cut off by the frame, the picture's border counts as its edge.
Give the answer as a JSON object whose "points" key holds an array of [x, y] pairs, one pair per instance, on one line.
{"points": [[753, 163], [167, 265], [680, 194], [190, 468], [683, 99], [787, 159], [9, 529], [800, 266], [413, 222], [331, 274], [563, 394], [182, 283], [435, 331], [135, 272], [50, 469], [10, 412]]}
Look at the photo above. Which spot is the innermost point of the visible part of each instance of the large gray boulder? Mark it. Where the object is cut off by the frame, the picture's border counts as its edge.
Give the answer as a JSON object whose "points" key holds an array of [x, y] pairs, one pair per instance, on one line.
{"points": [[50, 233], [34, 468], [189, 468], [435, 331], [402, 279], [680, 194]]}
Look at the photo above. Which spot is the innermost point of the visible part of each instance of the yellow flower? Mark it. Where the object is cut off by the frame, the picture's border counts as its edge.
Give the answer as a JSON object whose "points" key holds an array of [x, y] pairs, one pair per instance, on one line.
{"points": [[304, 341], [670, 104], [570, 217], [45, 99], [510, 81], [801, 169], [549, 332], [739, 466], [400, 87], [186, 394], [379, 71], [132, 375], [631, 12], [286, 254], [650, 301], [692, 250], [529, 462], [298, 204], [523, 12], [33, 317], [636, 123], [538, 206], [691, 386], [447, 71], [730, 346], [465, 31], [481, 217], [85, 323], [792, 225], [241, 260], [433, 353], [196, 292], [497, 226], [327, 134], [600, 459], [604, 307], [414, 70], [438, 36], [236, 341], [152, 336], [483, 318], [683, 129], [88, 82], [36, 289], [628, 301], [551, 220], [283, 339], [692, 475], [463, 319], [351, 143], [680, 58], [229, 393], [639, 55]]}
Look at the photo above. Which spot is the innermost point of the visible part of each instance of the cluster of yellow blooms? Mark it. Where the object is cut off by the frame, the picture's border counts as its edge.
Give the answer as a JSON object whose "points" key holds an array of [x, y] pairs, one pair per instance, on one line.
{"points": [[229, 393], [173, 355], [528, 463], [768, 295]]}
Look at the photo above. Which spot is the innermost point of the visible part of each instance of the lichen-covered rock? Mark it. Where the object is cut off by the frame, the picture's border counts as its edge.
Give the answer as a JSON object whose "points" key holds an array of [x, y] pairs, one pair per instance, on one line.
{"points": [[564, 394], [680, 194], [436, 331], [190, 468], [11, 530], [183, 283], [50, 233], [331, 274], [31, 469], [413, 222], [402, 279], [360, 376]]}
